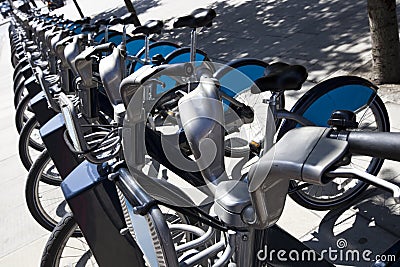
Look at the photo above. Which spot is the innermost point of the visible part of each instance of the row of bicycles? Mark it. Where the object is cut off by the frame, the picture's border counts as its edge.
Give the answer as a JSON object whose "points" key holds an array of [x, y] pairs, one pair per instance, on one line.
{"points": [[141, 152]]}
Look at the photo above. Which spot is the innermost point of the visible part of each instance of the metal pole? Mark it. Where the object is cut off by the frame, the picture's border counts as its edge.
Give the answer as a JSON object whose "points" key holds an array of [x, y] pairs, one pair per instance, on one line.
{"points": [[131, 9], [78, 8]]}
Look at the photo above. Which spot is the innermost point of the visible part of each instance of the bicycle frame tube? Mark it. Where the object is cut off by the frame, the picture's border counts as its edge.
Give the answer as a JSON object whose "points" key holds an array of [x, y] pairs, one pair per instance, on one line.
{"points": [[284, 114], [146, 50], [193, 45]]}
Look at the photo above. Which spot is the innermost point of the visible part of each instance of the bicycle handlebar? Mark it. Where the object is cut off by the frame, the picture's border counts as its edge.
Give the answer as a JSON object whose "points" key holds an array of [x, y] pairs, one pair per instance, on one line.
{"points": [[375, 144], [318, 159]]}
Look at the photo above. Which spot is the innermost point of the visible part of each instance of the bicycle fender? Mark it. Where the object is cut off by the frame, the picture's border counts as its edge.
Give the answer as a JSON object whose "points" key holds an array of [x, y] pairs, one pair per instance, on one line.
{"points": [[344, 92]]}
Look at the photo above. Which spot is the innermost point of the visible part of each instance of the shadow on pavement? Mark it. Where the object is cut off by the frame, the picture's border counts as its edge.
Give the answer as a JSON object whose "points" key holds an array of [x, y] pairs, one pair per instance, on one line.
{"points": [[372, 224], [140, 7], [322, 36]]}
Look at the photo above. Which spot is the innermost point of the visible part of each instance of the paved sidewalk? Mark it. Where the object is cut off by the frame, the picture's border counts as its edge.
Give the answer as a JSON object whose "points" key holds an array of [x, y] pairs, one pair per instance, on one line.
{"points": [[22, 239], [328, 37]]}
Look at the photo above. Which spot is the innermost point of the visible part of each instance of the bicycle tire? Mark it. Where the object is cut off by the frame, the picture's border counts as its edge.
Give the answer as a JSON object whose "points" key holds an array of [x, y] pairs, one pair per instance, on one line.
{"points": [[14, 60], [19, 94], [13, 57], [25, 142], [57, 241], [18, 68], [312, 202], [16, 56], [182, 55], [18, 83], [34, 200], [19, 79], [17, 74], [20, 117]]}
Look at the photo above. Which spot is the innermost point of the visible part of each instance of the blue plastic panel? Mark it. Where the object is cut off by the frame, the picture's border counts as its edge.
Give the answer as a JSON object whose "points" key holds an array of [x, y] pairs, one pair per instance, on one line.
{"points": [[182, 58], [99, 36], [76, 29], [349, 97], [185, 57], [116, 39], [52, 125], [80, 179], [163, 50], [239, 79], [134, 46]]}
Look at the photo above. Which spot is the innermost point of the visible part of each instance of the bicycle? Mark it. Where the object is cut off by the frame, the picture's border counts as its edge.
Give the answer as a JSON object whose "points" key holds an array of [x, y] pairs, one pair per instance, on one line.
{"points": [[109, 67], [240, 227], [133, 44], [313, 108], [238, 65]]}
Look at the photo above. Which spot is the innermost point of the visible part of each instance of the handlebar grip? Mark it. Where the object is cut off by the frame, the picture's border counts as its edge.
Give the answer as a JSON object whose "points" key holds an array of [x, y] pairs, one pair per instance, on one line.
{"points": [[375, 144]]}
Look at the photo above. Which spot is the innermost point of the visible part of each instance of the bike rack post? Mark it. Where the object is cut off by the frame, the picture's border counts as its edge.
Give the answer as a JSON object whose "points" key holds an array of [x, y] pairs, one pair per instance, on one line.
{"points": [[78, 8]]}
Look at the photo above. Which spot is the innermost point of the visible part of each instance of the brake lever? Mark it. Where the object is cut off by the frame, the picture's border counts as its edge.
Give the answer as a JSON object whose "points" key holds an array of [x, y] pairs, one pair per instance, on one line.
{"points": [[349, 172]]}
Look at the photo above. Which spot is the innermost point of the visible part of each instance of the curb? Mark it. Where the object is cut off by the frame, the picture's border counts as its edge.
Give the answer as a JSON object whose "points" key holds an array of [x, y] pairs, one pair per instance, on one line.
{"points": [[4, 21]]}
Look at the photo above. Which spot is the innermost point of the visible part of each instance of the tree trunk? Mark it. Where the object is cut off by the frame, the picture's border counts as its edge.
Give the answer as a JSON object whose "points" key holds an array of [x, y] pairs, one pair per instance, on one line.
{"points": [[385, 40]]}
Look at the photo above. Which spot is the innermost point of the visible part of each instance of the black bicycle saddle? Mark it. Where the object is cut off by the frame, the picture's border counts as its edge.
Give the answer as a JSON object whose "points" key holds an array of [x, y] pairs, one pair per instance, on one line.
{"points": [[151, 26], [114, 21], [90, 28], [84, 20], [126, 19], [101, 22], [198, 18], [280, 77]]}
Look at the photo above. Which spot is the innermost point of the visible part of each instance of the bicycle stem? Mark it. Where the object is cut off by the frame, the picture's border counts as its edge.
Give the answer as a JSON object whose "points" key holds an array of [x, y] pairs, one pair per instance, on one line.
{"points": [[146, 49], [106, 33], [272, 102], [193, 45], [124, 35]]}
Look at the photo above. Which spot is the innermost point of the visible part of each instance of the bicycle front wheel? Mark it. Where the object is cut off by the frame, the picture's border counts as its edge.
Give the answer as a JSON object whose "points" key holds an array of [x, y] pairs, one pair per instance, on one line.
{"points": [[30, 143], [341, 191], [63, 250], [43, 194]]}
